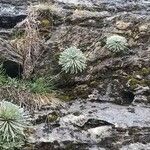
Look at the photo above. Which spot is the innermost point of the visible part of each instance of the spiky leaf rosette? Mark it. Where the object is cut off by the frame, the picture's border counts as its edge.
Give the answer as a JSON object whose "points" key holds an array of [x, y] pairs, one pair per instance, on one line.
{"points": [[11, 145], [72, 60], [116, 44], [11, 121]]}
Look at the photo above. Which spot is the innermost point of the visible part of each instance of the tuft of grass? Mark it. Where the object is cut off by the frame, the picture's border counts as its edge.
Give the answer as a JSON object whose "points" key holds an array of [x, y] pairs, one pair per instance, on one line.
{"points": [[41, 85]]}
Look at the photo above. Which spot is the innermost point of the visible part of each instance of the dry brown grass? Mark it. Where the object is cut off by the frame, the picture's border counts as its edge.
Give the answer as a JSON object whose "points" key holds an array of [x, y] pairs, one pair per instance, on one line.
{"points": [[26, 50], [31, 45], [32, 101]]}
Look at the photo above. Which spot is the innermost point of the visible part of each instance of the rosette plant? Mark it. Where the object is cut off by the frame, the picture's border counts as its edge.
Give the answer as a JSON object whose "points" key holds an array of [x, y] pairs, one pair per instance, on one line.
{"points": [[12, 125], [116, 44], [72, 60]]}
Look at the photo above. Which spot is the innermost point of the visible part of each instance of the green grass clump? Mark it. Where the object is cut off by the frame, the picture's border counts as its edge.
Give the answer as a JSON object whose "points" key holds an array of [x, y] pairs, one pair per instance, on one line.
{"points": [[40, 85]]}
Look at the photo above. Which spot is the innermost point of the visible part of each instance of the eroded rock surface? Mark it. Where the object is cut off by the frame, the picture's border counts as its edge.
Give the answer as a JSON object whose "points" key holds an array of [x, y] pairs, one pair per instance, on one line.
{"points": [[87, 26], [94, 125], [115, 112], [97, 123]]}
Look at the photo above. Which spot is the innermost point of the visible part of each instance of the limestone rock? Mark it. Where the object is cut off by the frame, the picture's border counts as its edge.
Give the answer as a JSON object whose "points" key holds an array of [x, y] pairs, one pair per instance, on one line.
{"points": [[121, 25]]}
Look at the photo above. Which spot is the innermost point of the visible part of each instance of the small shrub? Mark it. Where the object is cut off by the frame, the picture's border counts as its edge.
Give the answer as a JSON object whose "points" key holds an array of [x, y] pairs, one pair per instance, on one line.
{"points": [[12, 125], [72, 60], [116, 44]]}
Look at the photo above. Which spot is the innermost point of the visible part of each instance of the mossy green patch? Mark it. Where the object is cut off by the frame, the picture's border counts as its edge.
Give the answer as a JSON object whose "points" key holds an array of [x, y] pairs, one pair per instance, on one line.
{"points": [[145, 71], [52, 117], [134, 81], [45, 23]]}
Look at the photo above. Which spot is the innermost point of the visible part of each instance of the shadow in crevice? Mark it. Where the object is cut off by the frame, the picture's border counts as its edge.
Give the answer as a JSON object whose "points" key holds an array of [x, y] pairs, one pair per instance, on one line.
{"points": [[12, 69], [127, 96], [8, 22]]}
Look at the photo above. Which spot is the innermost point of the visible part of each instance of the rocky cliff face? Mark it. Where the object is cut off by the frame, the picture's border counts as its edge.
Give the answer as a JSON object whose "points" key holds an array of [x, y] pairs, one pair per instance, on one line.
{"points": [[116, 89], [10, 15], [86, 25]]}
